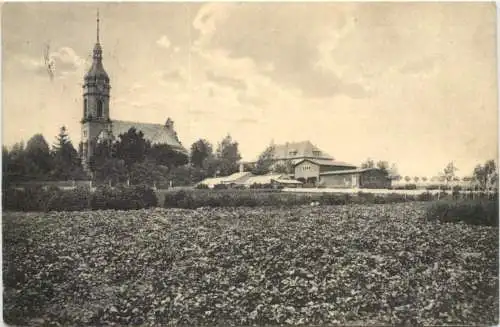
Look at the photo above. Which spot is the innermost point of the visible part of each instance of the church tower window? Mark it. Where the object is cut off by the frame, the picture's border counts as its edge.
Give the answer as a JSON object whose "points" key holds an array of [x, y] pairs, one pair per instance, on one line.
{"points": [[84, 108], [99, 108]]}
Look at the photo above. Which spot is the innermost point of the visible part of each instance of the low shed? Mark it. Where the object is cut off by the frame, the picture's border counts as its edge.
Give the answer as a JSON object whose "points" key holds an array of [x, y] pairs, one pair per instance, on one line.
{"points": [[355, 178]]}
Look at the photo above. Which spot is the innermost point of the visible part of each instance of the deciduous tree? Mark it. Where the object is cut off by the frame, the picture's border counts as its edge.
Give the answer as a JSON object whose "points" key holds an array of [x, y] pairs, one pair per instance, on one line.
{"points": [[132, 147], [265, 161], [228, 156], [486, 175], [200, 150], [38, 159], [449, 172]]}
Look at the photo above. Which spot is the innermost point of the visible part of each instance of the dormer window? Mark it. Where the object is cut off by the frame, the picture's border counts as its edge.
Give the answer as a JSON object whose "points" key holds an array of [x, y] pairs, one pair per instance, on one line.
{"points": [[316, 153], [292, 153]]}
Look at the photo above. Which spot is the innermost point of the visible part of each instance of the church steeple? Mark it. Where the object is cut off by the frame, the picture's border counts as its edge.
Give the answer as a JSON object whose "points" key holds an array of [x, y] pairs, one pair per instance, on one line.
{"points": [[96, 94], [96, 85]]}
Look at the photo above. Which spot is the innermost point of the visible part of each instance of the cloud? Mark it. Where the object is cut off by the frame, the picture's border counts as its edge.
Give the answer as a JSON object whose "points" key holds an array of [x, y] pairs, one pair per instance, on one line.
{"points": [[244, 31], [196, 112], [226, 81], [136, 86], [424, 65], [163, 42], [247, 99], [247, 121], [59, 63], [175, 75]]}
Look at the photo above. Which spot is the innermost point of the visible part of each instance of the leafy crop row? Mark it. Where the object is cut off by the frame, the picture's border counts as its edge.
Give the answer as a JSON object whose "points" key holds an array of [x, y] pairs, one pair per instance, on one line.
{"points": [[329, 265]]}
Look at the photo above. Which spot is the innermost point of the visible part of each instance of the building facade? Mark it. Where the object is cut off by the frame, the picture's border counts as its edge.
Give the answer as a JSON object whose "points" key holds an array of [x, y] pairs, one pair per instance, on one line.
{"points": [[338, 174], [373, 178], [97, 125]]}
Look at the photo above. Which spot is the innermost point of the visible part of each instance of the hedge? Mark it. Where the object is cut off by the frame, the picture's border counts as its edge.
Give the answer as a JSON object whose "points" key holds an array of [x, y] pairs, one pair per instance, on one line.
{"points": [[80, 198], [191, 199], [474, 212]]}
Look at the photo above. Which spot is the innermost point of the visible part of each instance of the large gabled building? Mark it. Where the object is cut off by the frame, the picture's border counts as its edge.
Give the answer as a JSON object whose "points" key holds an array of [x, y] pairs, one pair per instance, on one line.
{"points": [[296, 151], [97, 125], [315, 167]]}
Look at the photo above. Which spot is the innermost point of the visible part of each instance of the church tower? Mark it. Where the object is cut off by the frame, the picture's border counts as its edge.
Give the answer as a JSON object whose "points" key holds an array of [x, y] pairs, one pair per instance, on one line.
{"points": [[96, 122]]}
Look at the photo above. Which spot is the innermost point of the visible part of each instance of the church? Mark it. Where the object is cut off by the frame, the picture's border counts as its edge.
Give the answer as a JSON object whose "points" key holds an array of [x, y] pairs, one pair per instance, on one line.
{"points": [[97, 125]]}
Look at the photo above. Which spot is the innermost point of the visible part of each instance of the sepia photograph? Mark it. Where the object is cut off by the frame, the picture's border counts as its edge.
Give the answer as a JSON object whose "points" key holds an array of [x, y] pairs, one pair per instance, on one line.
{"points": [[250, 164]]}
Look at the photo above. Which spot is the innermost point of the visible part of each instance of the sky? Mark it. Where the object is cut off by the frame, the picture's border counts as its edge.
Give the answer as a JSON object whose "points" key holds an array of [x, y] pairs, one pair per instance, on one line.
{"points": [[414, 84]]}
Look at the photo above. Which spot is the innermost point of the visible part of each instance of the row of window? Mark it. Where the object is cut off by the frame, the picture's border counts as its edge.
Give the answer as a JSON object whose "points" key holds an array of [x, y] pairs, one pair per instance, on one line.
{"points": [[306, 168], [294, 153]]}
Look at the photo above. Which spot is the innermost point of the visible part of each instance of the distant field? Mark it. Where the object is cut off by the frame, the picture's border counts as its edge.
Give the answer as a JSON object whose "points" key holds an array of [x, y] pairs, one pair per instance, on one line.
{"points": [[363, 265]]}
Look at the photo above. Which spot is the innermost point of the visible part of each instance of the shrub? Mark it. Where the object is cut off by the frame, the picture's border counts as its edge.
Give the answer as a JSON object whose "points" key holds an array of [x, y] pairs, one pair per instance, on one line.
{"points": [[220, 187], [474, 212], [73, 200], [335, 199], [202, 187], [31, 198], [80, 198], [13, 199], [398, 198], [146, 195], [427, 196]]}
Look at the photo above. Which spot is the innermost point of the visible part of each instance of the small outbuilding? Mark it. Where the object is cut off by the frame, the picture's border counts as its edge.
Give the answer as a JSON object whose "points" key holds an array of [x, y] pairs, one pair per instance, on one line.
{"points": [[373, 178], [338, 174]]}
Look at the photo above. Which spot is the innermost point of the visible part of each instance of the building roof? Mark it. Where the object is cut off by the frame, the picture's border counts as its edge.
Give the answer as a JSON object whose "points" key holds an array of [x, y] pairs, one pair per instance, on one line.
{"points": [[234, 178], [287, 181], [298, 150], [155, 133], [326, 162], [264, 179], [237, 176], [301, 149], [347, 171], [97, 71], [212, 181]]}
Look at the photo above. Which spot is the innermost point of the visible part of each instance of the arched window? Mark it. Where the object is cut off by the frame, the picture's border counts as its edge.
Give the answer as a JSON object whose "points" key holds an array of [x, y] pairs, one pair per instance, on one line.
{"points": [[84, 108], [99, 108]]}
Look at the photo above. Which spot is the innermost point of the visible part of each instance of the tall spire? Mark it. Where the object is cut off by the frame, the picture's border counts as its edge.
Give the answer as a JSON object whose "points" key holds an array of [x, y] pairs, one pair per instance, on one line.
{"points": [[97, 25], [97, 48]]}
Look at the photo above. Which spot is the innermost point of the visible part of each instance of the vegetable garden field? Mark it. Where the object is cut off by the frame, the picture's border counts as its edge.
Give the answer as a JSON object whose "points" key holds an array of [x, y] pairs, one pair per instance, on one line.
{"points": [[304, 265]]}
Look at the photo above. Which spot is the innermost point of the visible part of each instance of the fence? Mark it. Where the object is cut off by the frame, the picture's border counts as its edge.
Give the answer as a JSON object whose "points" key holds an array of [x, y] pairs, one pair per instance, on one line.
{"points": [[386, 191], [65, 185]]}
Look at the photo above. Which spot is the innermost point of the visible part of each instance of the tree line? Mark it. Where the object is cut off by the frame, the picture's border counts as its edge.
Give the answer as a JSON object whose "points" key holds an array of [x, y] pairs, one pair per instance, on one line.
{"points": [[37, 161], [129, 159], [484, 175], [134, 160]]}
